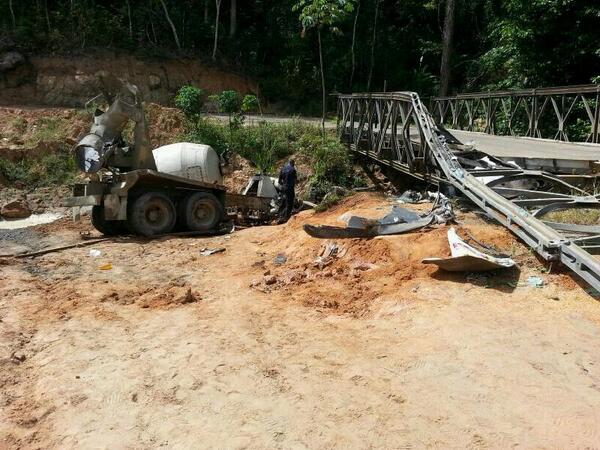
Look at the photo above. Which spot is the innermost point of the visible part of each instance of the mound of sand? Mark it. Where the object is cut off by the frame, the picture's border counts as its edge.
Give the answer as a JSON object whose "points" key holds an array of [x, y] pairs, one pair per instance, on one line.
{"points": [[364, 270]]}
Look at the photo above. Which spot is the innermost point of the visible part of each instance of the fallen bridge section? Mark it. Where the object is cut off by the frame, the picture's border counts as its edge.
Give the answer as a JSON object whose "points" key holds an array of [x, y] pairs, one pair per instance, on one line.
{"points": [[536, 154], [396, 129]]}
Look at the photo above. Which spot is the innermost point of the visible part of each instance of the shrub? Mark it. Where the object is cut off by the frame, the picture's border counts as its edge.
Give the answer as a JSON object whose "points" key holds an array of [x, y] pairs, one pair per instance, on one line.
{"points": [[249, 103], [267, 143], [262, 145], [330, 199], [53, 169], [190, 100], [229, 102], [330, 159], [209, 132]]}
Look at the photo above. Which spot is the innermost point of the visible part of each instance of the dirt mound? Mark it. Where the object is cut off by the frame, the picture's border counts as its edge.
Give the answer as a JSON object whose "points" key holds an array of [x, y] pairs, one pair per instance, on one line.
{"points": [[167, 296], [166, 124], [362, 271], [236, 173]]}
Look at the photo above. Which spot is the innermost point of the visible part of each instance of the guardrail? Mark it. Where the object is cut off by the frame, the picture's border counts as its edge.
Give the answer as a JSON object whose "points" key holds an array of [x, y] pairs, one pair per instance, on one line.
{"points": [[566, 113]]}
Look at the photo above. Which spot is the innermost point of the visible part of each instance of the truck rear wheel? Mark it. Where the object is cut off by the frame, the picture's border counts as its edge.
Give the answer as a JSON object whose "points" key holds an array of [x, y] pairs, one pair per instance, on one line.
{"points": [[201, 211], [106, 227], [152, 214]]}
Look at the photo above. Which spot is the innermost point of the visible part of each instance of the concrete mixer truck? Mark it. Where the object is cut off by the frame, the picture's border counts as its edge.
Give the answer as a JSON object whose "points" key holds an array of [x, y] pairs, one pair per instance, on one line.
{"points": [[132, 188]]}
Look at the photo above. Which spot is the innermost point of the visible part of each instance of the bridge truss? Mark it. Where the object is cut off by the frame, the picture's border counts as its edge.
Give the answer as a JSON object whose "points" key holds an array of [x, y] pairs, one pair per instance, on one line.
{"points": [[396, 130], [562, 113]]}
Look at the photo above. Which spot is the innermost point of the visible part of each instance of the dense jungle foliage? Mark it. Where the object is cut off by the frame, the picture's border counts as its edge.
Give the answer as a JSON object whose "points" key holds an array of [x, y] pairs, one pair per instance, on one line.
{"points": [[369, 45]]}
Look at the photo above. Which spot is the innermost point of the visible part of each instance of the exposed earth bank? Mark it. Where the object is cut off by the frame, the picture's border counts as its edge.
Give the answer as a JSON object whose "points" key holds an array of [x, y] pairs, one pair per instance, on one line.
{"points": [[71, 81]]}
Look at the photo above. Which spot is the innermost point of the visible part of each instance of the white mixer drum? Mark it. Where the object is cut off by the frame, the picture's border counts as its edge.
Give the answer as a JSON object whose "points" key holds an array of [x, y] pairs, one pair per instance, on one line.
{"points": [[194, 161]]}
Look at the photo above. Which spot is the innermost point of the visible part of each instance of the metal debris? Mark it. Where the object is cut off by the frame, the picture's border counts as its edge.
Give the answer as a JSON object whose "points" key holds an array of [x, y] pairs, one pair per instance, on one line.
{"points": [[280, 259], [399, 220], [211, 251], [468, 259]]}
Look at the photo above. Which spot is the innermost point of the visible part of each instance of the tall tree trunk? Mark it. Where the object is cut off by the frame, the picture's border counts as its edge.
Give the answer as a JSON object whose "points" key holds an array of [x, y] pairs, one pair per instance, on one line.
{"points": [[129, 18], [47, 15], [447, 47], [206, 12], [373, 41], [233, 19], [324, 98], [12, 13], [153, 31], [353, 45], [168, 17], [218, 5]]}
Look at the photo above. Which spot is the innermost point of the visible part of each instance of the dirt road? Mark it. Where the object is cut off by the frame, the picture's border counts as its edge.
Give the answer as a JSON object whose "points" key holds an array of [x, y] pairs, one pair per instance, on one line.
{"points": [[177, 350]]}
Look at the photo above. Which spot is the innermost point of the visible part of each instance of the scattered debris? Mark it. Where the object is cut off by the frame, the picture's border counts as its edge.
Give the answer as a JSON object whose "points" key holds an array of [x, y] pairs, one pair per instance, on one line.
{"points": [[211, 251], [280, 259], [411, 196], [270, 279], [107, 266], [329, 253], [468, 259], [94, 253], [54, 249], [398, 221], [535, 282]]}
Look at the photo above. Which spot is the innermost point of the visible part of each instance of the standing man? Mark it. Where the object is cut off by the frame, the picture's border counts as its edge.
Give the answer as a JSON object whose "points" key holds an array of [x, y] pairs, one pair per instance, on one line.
{"points": [[287, 184]]}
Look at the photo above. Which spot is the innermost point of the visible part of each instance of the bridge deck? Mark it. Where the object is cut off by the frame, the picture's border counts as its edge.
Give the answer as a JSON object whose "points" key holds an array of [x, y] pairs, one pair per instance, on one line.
{"points": [[523, 147]]}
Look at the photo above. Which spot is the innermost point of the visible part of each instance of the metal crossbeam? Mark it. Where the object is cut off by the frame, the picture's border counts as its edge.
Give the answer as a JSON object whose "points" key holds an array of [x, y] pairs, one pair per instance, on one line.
{"points": [[542, 112], [397, 130]]}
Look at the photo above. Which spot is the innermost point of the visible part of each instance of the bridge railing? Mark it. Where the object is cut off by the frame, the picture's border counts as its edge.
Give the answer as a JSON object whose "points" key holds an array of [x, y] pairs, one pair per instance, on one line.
{"points": [[568, 113]]}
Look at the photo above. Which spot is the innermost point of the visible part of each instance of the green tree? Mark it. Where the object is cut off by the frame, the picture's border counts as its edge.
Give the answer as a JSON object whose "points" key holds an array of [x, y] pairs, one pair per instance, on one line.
{"points": [[319, 14], [190, 100]]}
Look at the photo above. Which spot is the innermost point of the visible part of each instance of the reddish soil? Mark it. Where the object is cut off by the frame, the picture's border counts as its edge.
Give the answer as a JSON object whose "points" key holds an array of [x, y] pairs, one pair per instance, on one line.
{"points": [[372, 348]]}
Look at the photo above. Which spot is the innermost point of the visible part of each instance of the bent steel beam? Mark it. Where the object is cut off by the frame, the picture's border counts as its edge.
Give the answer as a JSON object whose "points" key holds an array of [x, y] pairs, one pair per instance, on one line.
{"points": [[396, 129]]}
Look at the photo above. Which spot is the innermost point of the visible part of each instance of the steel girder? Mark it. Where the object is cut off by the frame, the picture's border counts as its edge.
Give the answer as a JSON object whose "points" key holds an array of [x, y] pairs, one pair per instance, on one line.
{"points": [[397, 130], [542, 112]]}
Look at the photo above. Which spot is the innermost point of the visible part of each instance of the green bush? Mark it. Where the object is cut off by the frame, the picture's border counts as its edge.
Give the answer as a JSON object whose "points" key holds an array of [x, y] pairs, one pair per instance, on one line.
{"points": [[53, 169], [190, 100], [262, 145], [265, 144], [229, 102], [249, 103], [209, 132], [330, 199], [330, 159]]}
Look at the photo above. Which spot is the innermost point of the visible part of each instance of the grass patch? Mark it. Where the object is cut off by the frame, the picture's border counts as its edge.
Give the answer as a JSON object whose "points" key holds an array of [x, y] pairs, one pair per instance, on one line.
{"points": [[52, 129], [57, 168], [330, 199], [579, 216]]}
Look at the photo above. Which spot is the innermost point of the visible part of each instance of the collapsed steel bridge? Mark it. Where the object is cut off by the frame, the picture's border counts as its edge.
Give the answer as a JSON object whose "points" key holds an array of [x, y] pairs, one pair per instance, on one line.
{"points": [[396, 130]]}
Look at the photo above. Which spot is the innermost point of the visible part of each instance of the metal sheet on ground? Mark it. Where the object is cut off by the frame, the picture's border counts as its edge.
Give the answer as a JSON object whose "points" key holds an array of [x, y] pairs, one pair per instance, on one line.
{"points": [[465, 263]]}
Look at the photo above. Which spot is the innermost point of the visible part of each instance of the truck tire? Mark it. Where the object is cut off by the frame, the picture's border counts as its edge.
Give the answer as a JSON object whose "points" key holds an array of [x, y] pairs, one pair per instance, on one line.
{"points": [[151, 214], [106, 227], [201, 211]]}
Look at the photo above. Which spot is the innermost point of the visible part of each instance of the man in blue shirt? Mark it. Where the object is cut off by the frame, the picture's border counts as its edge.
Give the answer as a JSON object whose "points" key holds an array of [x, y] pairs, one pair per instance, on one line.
{"points": [[287, 185]]}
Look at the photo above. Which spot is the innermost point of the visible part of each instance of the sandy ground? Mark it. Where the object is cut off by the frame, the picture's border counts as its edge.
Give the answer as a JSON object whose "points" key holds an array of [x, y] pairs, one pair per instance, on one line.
{"points": [[374, 350]]}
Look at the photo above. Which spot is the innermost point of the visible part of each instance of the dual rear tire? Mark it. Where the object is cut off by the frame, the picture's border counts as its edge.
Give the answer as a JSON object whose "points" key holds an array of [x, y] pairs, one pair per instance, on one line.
{"points": [[154, 213]]}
